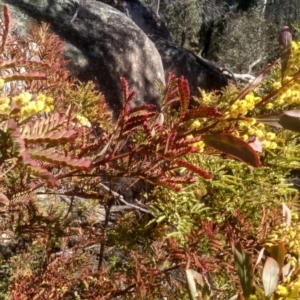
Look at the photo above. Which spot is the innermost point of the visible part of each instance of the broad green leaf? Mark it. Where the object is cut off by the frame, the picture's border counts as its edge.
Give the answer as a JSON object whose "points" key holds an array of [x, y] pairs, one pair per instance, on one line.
{"points": [[270, 276], [243, 264], [233, 146]]}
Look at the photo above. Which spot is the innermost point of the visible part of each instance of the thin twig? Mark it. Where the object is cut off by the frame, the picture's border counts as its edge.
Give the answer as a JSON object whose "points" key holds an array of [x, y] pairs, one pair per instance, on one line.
{"points": [[108, 206], [121, 199]]}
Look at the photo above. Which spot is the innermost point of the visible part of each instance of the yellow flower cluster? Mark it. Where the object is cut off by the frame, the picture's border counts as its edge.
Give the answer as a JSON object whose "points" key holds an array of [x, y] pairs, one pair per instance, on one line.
{"points": [[28, 106], [206, 98], [196, 124], [282, 290], [294, 59], [251, 128], [242, 107], [289, 292], [83, 121], [4, 105], [200, 145], [288, 95], [288, 235]]}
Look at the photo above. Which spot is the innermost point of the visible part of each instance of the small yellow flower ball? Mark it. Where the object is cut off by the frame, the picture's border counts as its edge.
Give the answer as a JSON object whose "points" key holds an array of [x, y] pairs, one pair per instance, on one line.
{"points": [[40, 105], [196, 124], [251, 131], [49, 100], [297, 284], [260, 126], [83, 120], [270, 135], [4, 109], [200, 145], [22, 99], [4, 100], [259, 133], [41, 97], [282, 290], [273, 145], [252, 121], [266, 144], [48, 108], [280, 101], [269, 105], [294, 46], [276, 85]]}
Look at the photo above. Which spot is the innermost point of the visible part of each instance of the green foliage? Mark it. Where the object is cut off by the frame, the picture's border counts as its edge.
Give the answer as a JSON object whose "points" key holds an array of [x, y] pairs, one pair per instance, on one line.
{"points": [[182, 18]]}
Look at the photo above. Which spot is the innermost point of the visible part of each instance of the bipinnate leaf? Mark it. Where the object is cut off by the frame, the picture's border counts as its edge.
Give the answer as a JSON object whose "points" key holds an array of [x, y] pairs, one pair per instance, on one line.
{"points": [[59, 136], [135, 121], [140, 108], [270, 276], [233, 146], [51, 123], [184, 92], [7, 23], [278, 253], [33, 168], [7, 64], [55, 158], [24, 76], [243, 264], [193, 168]]}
